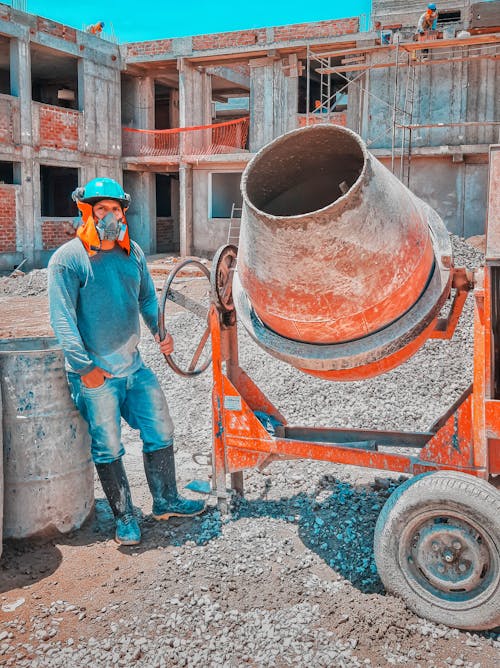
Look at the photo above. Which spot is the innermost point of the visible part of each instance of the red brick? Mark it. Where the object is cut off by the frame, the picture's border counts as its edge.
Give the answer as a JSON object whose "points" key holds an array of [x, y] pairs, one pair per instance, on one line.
{"points": [[56, 232], [58, 127], [336, 118], [319, 29], [7, 218], [151, 48], [55, 29], [6, 132]]}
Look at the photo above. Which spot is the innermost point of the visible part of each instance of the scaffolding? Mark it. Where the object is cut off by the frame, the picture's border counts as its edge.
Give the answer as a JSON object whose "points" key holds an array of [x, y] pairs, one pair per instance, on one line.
{"points": [[410, 57]]}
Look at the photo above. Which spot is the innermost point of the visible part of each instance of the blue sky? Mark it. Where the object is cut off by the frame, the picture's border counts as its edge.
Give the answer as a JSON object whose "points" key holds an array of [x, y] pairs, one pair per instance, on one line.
{"points": [[141, 20]]}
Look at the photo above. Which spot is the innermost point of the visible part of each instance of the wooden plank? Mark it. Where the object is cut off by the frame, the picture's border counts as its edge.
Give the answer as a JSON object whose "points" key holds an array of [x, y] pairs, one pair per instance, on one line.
{"points": [[411, 46], [444, 43], [367, 66]]}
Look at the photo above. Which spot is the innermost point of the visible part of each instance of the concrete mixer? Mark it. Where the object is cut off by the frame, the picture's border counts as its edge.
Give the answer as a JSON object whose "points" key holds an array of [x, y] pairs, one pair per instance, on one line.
{"points": [[342, 272]]}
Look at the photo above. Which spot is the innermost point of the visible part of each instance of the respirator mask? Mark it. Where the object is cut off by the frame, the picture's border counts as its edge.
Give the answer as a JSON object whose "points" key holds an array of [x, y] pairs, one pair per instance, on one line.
{"points": [[110, 228]]}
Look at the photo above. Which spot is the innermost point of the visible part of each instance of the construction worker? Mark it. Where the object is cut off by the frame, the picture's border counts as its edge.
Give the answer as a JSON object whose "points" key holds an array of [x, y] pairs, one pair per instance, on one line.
{"points": [[96, 28], [99, 284], [428, 20]]}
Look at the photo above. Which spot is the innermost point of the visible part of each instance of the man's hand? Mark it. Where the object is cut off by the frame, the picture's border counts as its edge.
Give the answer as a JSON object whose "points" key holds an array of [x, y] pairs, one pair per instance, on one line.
{"points": [[167, 345], [95, 378]]}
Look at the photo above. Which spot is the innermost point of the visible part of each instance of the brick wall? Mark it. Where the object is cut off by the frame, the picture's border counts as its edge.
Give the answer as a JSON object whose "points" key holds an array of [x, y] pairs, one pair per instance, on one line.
{"points": [[149, 48], [56, 232], [332, 28], [336, 117], [7, 218], [165, 236], [58, 127], [6, 131], [238, 38], [227, 40], [55, 29]]}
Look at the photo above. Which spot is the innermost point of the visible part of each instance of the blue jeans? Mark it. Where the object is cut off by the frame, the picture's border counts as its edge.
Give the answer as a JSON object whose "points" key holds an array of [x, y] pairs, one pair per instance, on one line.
{"points": [[137, 398]]}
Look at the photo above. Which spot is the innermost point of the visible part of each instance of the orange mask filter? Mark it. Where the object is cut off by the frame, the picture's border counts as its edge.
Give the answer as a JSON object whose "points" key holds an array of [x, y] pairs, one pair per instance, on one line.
{"points": [[89, 236]]}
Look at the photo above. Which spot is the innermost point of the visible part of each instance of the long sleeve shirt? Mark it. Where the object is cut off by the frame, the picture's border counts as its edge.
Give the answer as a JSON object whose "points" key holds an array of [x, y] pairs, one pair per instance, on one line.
{"points": [[427, 22], [95, 304]]}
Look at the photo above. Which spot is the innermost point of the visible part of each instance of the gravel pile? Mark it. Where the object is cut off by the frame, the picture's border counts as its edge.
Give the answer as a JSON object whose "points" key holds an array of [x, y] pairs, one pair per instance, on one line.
{"points": [[25, 285], [287, 577]]}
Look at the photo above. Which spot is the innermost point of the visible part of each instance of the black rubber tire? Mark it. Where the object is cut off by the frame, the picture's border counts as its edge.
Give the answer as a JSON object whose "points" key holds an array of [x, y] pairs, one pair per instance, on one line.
{"points": [[443, 501]]}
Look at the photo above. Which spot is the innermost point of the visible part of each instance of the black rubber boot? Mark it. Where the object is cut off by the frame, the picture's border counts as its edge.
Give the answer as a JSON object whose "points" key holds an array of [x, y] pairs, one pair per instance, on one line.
{"points": [[160, 474], [116, 488]]}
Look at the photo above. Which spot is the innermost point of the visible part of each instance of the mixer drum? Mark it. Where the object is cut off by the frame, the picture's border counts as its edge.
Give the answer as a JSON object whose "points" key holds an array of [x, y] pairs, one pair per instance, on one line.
{"points": [[342, 271]]}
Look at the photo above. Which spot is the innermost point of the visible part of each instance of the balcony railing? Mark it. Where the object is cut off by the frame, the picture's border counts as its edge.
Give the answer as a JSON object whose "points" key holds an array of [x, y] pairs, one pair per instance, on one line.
{"points": [[227, 137]]}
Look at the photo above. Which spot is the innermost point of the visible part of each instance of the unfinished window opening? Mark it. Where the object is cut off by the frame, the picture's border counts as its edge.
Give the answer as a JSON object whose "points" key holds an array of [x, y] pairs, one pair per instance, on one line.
{"points": [[7, 172], [162, 107], [127, 104], [163, 196], [227, 109], [56, 186], [449, 17], [167, 213], [54, 77], [230, 92], [225, 191], [330, 164], [331, 96], [5, 88]]}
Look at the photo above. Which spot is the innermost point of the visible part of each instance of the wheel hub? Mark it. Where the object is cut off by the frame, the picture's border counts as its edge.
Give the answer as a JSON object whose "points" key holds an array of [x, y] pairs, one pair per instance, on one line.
{"points": [[449, 554]]}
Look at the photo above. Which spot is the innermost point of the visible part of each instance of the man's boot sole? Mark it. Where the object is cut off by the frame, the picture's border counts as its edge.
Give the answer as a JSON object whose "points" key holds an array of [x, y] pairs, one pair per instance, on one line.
{"points": [[167, 516], [127, 542]]}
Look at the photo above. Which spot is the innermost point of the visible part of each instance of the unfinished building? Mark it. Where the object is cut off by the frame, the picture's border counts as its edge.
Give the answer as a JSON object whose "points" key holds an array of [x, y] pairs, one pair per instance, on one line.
{"points": [[177, 120]]}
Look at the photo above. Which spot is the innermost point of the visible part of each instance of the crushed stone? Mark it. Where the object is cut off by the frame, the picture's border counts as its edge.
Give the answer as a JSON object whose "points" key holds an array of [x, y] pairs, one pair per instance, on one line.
{"points": [[286, 577]]}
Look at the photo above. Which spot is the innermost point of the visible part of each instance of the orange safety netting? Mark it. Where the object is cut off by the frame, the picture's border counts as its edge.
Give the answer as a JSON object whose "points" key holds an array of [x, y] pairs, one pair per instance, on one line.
{"points": [[227, 137]]}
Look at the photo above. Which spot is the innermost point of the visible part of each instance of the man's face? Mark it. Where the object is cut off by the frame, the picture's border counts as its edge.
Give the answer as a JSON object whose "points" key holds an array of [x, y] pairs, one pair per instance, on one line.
{"points": [[109, 222], [105, 206]]}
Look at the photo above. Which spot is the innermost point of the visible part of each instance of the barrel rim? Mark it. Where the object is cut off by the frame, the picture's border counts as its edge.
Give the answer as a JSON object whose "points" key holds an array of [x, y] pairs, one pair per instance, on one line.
{"points": [[51, 345], [339, 202]]}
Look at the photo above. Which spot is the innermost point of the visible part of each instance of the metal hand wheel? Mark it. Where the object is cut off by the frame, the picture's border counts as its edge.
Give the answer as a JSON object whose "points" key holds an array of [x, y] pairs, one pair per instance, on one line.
{"points": [[194, 307], [221, 277]]}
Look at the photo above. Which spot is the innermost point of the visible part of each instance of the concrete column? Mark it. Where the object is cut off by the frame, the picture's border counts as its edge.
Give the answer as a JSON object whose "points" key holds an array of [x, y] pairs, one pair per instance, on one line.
{"points": [[195, 95], [20, 85], [30, 174], [273, 99], [174, 199], [99, 91], [186, 208], [141, 216], [144, 103]]}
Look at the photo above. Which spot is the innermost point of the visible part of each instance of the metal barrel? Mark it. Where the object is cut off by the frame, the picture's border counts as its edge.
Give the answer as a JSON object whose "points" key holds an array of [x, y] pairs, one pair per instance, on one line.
{"points": [[341, 269], [48, 472]]}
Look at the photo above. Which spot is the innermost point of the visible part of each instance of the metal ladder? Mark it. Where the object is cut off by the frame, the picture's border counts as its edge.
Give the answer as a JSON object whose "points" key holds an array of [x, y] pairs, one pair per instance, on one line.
{"points": [[406, 130], [233, 235]]}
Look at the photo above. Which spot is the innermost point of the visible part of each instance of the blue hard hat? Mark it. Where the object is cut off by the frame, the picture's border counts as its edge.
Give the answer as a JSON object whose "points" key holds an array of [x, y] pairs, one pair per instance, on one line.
{"points": [[432, 6], [101, 188]]}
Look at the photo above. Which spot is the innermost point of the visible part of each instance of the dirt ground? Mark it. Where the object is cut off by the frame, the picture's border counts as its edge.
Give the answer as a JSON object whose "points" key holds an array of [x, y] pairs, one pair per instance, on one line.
{"points": [[273, 583]]}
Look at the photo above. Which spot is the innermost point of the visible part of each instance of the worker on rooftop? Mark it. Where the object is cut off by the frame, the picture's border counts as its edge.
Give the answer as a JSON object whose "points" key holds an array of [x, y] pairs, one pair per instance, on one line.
{"points": [[96, 28], [99, 285], [428, 20]]}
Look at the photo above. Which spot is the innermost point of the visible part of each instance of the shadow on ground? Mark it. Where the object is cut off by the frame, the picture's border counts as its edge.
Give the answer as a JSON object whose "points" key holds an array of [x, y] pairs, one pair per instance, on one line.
{"points": [[338, 528]]}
